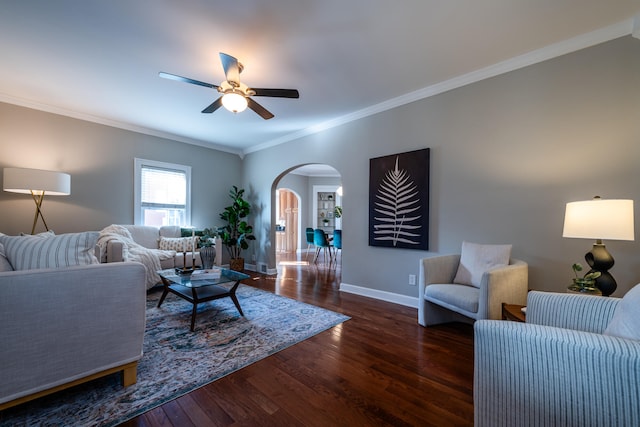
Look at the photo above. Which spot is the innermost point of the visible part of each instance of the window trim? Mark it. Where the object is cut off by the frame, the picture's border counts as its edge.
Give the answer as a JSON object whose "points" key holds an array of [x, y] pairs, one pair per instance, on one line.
{"points": [[137, 186]]}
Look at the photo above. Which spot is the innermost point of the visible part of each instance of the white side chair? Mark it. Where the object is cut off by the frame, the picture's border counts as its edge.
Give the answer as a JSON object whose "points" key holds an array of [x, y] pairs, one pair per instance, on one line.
{"points": [[470, 286]]}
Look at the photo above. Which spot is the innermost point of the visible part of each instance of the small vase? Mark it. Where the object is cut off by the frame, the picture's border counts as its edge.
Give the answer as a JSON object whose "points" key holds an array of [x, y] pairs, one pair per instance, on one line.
{"points": [[208, 256]]}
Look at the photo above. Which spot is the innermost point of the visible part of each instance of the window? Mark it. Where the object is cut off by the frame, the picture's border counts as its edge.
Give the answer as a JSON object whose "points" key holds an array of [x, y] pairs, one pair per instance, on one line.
{"points": [[162, 193]]}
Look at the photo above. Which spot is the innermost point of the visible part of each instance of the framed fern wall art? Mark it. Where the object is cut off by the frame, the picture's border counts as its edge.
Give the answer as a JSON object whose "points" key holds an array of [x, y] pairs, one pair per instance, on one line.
{"points": [[399, 200]]}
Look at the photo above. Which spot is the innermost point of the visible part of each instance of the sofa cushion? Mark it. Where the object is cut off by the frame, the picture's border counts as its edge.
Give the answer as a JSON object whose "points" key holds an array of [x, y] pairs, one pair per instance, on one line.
{"points": [[171, 231], [626, 319], [476, 259], [5, 265], [178, 244], [33, 252], [144, 235]]}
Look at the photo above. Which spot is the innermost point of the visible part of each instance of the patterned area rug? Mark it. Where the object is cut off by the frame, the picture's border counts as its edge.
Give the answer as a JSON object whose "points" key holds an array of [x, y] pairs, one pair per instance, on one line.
{"points": [[177, 361]]}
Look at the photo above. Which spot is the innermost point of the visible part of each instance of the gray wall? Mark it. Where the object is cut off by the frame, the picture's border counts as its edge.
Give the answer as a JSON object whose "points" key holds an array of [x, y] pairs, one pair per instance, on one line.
{"points": [[100, 161], [507, 153]]}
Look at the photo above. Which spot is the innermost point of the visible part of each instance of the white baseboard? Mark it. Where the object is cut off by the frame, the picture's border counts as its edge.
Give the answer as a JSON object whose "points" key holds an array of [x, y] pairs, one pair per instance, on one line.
{"points": [[381, 295], [260, 268]]}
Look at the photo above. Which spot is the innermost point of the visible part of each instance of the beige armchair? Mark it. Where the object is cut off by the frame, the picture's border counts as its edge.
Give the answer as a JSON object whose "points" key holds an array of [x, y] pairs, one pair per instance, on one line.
{"points": [[441, 300]]}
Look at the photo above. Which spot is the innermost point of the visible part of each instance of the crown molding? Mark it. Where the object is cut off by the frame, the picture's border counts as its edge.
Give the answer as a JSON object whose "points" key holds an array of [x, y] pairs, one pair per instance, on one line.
{"points": [[621, 29], [113, 123]]}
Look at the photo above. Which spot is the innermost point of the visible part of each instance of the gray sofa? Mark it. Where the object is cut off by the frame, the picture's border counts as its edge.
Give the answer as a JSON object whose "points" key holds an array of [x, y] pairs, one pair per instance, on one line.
{"points": [[64, 325], [150, 238]]}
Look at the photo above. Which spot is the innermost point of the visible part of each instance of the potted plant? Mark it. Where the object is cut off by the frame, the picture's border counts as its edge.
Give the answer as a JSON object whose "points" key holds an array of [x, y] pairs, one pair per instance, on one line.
{"points": [[207, 247], [585, 284], [337, 211], [236, 233]]}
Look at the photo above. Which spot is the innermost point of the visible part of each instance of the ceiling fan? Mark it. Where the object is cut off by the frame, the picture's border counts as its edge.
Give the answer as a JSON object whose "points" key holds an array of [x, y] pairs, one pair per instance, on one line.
{"points": [[236, 96]]}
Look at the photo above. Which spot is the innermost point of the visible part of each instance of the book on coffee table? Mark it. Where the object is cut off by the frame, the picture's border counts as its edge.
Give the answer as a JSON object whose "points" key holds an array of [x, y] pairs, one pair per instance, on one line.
{"points": [[211, 273]]}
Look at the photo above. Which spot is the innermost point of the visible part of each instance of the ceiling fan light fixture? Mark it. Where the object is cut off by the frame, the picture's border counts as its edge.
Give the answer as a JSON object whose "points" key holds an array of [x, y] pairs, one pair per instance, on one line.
{"points": [[234, 102]]}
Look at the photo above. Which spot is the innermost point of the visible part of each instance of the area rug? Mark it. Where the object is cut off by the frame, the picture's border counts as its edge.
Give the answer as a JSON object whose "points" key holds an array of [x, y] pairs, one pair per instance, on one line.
{"points": [[177, 361]]}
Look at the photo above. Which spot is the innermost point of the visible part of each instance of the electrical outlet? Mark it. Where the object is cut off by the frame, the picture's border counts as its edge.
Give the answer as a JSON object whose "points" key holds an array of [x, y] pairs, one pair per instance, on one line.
{"points": [[412, 279]]}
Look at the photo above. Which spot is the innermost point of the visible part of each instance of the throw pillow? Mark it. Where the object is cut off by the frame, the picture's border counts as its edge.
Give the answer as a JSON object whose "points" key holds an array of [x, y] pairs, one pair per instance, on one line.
{"points": [[178, 244], [5, 265], [33, 252], [626, 319], [476, 259]]}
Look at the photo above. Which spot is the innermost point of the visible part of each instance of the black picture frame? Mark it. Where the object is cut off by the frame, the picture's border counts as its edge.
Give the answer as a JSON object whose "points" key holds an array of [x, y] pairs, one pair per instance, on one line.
{"points": [[399, 200]]}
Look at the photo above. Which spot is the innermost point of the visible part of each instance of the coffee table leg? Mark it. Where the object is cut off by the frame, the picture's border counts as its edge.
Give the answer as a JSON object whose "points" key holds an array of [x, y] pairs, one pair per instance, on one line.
{"points": [[165, 292], [195, 307], [236, 302]]}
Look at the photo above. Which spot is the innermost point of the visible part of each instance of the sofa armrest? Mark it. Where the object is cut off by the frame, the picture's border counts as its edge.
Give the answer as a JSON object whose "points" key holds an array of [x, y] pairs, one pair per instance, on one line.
{"points": [[527, 375], [570, 311], [115, 251], [60, 325]]}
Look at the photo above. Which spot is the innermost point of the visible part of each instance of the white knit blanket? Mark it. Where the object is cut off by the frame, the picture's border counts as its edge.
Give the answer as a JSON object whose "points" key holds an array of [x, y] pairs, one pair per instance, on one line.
{"points": [[132, 251]]}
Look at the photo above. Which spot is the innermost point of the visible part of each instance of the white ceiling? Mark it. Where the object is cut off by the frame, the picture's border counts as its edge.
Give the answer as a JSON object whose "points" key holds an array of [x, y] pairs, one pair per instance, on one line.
{"points": [[99, 60]]}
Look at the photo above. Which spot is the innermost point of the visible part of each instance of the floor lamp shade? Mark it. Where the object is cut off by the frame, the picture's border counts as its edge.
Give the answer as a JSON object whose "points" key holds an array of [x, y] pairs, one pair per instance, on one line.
{"points": [[19, 180], [600, 219], [36, 182]]}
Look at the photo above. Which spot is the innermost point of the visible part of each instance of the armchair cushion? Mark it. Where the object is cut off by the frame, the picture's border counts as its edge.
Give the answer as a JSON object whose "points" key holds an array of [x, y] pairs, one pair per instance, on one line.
{"points": [[626, 318], [476, 259], [452, 296]]}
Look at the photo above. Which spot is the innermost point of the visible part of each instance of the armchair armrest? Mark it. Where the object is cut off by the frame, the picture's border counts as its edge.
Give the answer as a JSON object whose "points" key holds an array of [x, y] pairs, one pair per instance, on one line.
{"points": [[503, 284], [526, 374], [570, 311], [438, 269]]}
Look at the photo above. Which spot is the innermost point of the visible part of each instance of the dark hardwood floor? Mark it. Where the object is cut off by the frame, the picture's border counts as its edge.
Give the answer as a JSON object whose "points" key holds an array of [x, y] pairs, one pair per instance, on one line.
{"points": [[379, 368]]}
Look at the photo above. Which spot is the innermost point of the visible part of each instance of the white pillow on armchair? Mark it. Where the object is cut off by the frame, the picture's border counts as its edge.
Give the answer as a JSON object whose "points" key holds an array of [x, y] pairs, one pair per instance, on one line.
{"points": [[476, 259]]}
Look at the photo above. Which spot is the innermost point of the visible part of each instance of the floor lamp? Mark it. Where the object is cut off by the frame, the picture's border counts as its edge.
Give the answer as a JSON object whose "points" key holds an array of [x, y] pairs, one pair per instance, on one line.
{"points": [[36, 182], [600, 219]]}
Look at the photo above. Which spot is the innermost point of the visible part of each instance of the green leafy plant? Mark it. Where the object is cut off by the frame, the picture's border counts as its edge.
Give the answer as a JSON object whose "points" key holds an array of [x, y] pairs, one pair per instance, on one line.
{"points": [[237, 232], [208, 238], [337, 211], [587, 281]]}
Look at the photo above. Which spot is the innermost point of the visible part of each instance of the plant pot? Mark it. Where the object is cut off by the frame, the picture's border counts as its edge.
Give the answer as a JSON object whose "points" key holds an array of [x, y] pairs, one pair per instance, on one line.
{"points": [[584, 287], [236, 264], [208, 256]]}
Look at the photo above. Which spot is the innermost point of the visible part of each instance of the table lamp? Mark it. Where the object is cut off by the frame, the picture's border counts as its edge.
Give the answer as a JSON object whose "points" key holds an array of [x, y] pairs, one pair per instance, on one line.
{"points": [[600, 219], [36, 182]]}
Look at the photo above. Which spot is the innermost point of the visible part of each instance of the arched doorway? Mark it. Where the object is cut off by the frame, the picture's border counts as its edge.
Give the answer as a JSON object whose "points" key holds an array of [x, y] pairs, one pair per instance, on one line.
{"points": [[304, 181]]}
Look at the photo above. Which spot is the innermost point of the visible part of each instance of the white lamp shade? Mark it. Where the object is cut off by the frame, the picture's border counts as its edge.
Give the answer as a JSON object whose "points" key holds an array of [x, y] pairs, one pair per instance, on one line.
{"points": [[599, 219], [19, 180], [234, 102]]}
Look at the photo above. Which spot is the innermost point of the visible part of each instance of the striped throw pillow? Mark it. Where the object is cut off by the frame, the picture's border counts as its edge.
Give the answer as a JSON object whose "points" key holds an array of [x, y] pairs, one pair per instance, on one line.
{"points": [[64, 250]]}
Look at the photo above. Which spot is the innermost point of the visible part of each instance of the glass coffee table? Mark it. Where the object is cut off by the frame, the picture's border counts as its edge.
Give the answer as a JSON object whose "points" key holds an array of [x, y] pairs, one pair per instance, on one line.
{"points": [[201, 290]]}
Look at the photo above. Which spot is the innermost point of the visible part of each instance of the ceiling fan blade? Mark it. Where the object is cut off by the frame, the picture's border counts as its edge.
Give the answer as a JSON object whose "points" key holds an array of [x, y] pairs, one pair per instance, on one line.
{"points": [[186, 80], [262, 112], [231, 68], [277, 93], [214, 106]]}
